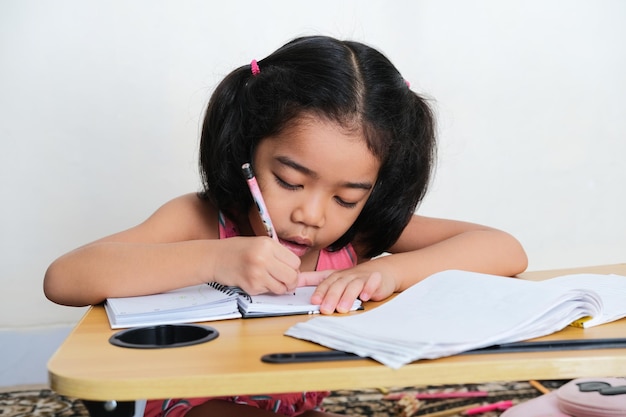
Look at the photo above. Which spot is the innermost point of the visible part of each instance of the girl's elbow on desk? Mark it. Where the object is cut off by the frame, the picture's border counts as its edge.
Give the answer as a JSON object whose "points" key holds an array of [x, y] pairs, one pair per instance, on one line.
{"points": [[58, 289], [515, 259], [497, 253]]}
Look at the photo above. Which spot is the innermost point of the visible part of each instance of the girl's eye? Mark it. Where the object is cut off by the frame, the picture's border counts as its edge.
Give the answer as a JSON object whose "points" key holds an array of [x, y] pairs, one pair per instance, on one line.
{"points": [[345, 204], [285, 184]]}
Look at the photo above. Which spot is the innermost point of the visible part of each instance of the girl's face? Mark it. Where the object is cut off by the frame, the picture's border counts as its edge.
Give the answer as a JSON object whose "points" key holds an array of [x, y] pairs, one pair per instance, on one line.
{"points": [[315, 177]]}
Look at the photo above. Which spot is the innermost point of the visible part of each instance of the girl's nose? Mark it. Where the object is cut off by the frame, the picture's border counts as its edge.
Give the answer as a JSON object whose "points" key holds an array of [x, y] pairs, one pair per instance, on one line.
{"points": [[310, 211]]}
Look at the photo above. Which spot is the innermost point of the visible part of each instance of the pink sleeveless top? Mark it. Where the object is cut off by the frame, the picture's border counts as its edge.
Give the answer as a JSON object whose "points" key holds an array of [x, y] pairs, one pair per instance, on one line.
{"points": [[289, 404]]}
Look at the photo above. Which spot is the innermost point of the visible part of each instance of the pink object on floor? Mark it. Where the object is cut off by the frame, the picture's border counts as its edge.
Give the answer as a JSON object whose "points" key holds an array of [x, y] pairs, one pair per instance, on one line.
{"points": [[582, 397]]}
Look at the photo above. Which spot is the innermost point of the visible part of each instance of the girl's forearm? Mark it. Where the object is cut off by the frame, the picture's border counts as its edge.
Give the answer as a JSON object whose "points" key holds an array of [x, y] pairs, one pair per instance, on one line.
{"points": [[487, 251], [90, 274]]}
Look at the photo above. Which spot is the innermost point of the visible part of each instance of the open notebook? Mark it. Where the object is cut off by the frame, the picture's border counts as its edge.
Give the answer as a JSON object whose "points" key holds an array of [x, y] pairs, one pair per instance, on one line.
{"points": [[452, 312], [206, 302]]}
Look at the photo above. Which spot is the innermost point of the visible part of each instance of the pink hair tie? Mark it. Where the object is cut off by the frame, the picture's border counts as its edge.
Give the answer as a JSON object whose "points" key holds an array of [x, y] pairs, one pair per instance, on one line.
{"points": [[254, 67]]}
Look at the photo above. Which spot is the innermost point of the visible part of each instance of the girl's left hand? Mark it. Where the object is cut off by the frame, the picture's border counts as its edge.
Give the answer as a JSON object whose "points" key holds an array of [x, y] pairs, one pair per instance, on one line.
{"points": [[337, 290]]}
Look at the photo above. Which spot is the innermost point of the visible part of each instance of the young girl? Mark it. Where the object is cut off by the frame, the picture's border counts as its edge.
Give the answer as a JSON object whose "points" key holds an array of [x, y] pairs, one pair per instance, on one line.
{"points": [[342, 150]]}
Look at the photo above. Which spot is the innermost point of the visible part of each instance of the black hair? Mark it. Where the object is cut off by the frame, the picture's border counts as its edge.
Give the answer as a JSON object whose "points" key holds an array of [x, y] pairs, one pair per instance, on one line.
{"points": [[342, 81]]}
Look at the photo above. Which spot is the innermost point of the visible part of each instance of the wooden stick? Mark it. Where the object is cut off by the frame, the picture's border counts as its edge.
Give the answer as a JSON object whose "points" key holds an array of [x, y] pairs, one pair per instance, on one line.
{"points": [[539, 387]]}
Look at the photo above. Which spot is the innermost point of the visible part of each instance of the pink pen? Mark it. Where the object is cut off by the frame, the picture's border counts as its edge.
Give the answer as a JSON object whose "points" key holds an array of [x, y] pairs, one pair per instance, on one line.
{"points": [[258, 199], [500, 406]]}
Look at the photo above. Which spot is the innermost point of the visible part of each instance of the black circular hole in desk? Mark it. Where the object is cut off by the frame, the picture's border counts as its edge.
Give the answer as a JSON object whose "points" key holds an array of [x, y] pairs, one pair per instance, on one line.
{"points": [[163, 336]]}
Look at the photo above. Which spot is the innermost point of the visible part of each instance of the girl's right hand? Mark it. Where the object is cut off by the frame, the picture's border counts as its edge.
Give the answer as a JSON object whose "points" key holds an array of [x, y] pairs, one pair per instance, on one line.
{"points": [[257, 265]]}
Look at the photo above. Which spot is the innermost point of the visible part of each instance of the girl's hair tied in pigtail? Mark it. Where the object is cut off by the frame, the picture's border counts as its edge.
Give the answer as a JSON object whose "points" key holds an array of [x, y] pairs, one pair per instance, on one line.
{"points": [[254, 68]]}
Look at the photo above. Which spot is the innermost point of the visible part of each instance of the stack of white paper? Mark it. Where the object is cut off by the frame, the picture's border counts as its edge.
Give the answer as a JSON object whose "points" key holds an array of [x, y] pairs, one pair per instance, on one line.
{"points": [[454, 311]]}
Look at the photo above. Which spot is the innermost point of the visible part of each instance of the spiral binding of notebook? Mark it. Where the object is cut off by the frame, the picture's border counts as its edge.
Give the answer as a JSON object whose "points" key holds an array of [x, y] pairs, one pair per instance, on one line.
{"points": [[230, 290]]}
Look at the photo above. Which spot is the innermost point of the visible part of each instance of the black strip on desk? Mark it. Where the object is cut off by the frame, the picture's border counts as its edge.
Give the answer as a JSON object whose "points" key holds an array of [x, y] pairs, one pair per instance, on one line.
{"points": [[547, 345], [542, 346], [321, 356]]}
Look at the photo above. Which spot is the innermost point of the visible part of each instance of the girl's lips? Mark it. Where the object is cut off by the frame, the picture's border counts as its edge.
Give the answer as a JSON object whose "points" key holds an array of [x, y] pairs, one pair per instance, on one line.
{"points": [[297, 248]]}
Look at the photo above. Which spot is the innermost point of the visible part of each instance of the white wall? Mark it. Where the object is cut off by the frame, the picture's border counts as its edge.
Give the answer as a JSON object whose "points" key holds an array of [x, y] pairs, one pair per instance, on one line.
{"points": [[100, 104]]}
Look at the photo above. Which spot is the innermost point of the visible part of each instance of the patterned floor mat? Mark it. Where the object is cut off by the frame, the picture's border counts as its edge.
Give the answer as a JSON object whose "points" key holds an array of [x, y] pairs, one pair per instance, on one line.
{"points": [[42, 402]]}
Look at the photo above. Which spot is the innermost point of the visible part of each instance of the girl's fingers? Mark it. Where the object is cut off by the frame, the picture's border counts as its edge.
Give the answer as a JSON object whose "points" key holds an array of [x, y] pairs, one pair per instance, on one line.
{"points": [[283, 269], [285, 256], [371, 286], [286, 276], [313, 278]]}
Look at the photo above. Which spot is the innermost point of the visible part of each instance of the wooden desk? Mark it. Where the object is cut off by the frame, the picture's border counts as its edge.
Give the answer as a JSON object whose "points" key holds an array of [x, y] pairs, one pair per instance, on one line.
{"points": [[86, 366]]}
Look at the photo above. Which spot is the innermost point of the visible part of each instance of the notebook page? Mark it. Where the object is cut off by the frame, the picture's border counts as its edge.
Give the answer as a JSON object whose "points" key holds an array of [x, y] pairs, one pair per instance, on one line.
{"points": [[188, 298], [298, 301]]}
